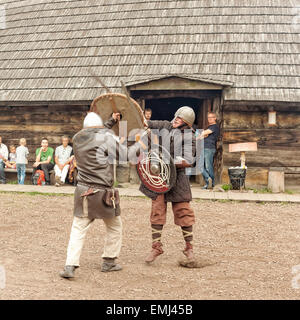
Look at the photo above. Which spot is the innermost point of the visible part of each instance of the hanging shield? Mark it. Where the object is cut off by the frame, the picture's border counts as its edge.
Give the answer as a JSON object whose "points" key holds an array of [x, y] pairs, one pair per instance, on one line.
{"points": [[130, 111], [156, 170]]}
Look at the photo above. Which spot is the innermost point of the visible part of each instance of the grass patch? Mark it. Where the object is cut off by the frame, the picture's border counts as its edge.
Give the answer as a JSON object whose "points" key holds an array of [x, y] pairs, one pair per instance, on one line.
{"points": [[16, 182], [225, 200], [12, 182], [116, 183], [263, 190], [226, 187], [289, 192]]}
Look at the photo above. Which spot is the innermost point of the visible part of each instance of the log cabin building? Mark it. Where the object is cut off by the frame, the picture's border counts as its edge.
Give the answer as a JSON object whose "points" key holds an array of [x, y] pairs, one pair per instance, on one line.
{"points": [[239, 59]]}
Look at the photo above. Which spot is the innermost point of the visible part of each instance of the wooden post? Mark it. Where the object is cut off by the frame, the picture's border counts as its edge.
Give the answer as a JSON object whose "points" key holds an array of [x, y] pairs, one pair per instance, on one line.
{"points": [[276, 180], [243, 159], [242, 148]]}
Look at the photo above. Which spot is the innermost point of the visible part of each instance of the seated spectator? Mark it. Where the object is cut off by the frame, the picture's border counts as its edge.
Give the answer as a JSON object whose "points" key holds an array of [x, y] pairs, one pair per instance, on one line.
{"points": [[21, 161], [62, 161], [44, 160], [72, 176], [11, 162], [3, 159]]}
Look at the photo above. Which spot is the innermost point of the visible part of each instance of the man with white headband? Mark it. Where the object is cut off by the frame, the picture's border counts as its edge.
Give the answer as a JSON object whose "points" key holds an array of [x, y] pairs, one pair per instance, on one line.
{"points": [[95, 197]]}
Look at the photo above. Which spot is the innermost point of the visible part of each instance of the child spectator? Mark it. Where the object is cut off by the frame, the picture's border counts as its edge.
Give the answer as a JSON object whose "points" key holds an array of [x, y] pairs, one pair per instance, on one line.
{"points": [[21, 161], [11, 162]]}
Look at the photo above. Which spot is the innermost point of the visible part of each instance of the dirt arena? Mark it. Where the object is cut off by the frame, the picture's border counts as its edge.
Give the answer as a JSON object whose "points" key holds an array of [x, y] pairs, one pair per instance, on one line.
{"points": [[252, 249]]}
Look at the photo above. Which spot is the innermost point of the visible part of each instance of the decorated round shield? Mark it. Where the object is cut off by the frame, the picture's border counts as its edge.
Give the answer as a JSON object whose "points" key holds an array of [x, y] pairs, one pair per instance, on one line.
{"points": [[156, 170], [130, 111]]}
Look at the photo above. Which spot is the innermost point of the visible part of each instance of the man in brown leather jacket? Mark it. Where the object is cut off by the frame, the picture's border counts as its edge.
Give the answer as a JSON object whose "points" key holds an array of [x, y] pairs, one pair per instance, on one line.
{"points": [[180, 195], [95, 197]]}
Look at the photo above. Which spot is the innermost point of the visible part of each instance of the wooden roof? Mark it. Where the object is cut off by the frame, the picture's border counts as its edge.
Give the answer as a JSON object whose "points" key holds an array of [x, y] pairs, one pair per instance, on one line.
{"points": [[47, 48]]}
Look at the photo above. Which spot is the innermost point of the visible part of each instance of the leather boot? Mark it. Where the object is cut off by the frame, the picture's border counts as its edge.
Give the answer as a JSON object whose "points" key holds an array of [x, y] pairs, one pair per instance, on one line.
{"points": [[155, 252], [68, 272], [109, 265], [188, 251]]}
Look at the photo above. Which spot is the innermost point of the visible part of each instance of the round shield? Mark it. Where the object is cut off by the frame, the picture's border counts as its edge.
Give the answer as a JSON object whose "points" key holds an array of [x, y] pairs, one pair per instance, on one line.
{"points": [[130, 111], [156, 170]]}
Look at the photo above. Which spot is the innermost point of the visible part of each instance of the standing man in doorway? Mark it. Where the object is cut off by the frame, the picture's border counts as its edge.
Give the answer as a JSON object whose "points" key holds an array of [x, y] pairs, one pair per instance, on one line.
{"points": [[148, 114], [210, 136]]}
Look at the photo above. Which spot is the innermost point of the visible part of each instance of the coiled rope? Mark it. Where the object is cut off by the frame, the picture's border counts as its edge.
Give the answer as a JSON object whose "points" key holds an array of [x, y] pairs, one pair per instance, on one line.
{"points": [[155, 180]]}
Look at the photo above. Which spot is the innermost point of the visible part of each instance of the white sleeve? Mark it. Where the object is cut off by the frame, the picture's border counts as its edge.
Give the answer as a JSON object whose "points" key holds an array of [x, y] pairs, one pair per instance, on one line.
{"points": [[70, 151], [5, 152]]}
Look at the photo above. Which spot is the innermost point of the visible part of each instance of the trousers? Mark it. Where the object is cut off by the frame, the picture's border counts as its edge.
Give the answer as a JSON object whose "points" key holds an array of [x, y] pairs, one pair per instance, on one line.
{"points": [[208, 170], [80, 226], [21, 172], [183, 213], [2, 173], [61, 173], [46, 167]]}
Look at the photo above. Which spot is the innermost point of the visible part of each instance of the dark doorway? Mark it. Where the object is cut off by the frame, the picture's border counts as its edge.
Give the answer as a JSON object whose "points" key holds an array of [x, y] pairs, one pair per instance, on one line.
{"points": [[164, 109]]}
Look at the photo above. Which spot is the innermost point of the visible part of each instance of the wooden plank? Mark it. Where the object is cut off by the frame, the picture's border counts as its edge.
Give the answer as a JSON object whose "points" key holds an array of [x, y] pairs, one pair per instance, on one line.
{"points": [[289, 170], [264, 157], [259, 120], [65, 103], [292, 180], [265, 138], [258, 177], [35, 122], [240, 106], [175, 83], [52, 128], [245, 146], [163, 94], [276, 181], [28, 170], [254, 176], [218, 161]]}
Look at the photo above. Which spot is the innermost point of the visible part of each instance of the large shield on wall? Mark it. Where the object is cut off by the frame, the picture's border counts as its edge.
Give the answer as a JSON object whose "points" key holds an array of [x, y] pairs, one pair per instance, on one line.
{"points": [[130, 111]]}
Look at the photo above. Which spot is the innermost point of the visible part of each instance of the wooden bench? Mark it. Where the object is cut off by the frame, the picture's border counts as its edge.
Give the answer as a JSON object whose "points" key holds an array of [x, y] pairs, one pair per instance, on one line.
{"points": [[11, 172], [28, 170]]}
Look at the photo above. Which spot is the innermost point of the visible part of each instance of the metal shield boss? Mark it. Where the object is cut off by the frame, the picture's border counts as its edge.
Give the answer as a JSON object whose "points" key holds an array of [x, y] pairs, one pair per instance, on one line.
{"points": [[156, 170]]}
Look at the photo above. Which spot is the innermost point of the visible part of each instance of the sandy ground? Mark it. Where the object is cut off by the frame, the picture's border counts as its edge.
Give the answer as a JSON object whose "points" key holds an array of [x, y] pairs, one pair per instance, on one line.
{"points": [[252, 247]]}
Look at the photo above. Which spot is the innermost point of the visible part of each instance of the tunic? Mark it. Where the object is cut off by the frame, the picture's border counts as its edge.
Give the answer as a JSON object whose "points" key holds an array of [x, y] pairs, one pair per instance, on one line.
{"points": [[181, 192], [93, 150]]}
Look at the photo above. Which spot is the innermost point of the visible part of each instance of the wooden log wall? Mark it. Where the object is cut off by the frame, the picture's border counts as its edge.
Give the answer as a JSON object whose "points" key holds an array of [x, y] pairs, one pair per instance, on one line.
{"points": [[278, 146], [35, 122]]}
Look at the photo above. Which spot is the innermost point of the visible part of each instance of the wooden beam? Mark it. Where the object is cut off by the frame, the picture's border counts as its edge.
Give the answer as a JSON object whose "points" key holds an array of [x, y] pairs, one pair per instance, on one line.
{"points": [[175, 83], [261, 106], [45, 103], [165, 94], [264, 157]]}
